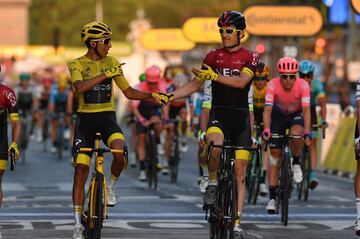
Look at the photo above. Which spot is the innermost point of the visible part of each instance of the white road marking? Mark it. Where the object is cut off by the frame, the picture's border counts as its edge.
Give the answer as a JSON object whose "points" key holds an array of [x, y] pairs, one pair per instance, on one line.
{"points": [[176, 225]]}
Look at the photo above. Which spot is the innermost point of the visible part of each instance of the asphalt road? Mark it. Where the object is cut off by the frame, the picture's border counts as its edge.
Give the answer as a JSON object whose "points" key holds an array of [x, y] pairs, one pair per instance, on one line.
{"points": [[37, 204]]}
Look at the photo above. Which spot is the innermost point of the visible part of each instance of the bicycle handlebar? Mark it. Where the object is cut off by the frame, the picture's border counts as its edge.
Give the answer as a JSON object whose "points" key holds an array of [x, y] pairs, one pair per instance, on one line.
{"points": [[316, 126], [100, 150], [281, 136]]}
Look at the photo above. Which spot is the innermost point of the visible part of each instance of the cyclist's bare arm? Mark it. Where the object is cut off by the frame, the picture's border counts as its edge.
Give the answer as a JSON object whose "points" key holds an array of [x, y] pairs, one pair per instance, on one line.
{"points": [[15, 130], [267, 116], [51, 107], [69, 102], [307, 118], [187, 89], [134, 94], [136, 112], [322, 104], [84, 86], [204, 118], [235, 81]]}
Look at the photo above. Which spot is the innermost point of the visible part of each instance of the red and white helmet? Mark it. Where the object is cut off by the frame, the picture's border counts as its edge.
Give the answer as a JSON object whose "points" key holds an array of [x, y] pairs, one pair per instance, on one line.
{"points": [[287, 65], [153, 74]]}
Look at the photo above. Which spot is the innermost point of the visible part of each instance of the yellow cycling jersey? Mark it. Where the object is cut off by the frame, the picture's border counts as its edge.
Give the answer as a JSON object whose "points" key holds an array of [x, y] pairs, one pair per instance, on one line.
{"points": [[259, 97], [101, 97]]}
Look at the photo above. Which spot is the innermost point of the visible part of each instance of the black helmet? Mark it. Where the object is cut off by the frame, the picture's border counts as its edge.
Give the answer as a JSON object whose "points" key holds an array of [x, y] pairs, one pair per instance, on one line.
{"points": [[229, 18]]}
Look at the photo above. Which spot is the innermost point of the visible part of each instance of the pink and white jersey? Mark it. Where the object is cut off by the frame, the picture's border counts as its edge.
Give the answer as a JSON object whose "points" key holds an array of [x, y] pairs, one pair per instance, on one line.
{"points": [[287, 102], [144, 86]]}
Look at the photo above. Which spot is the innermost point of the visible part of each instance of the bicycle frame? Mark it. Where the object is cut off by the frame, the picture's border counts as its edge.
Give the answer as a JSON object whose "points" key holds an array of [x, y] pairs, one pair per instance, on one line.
{"points": [[223, 212], [98, 175]]}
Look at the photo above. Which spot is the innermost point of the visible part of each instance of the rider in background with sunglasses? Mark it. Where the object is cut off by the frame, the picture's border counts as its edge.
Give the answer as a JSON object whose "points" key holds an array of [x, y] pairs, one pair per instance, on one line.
{"points": [[287, 106], [259, 87], [306, 72]]}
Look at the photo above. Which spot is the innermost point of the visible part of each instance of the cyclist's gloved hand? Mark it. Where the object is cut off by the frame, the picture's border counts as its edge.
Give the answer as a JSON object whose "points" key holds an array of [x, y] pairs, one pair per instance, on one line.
{"points": [[143, 121], [114, 71], [161, 98], [307, 137], [324, 124], [266, 134], [13, 146], [205, 74], [201, 139]]}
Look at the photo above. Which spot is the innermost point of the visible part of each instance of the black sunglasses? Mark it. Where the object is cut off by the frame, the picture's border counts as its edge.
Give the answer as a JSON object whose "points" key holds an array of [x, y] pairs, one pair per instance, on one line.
{"points": [[228, 31], [308, 75], [260, 78], [285, 77]]}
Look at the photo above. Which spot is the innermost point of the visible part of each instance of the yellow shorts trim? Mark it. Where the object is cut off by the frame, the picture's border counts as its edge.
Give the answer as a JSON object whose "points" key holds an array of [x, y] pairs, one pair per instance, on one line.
{"points": [[248, 71], [214, 129], [115, 136], [251, 107], [83, 159], [242, 154], [3, 164], [14, 117]]}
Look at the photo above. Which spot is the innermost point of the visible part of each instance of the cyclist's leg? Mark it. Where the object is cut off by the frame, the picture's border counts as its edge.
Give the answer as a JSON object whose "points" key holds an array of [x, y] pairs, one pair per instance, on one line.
{"points": [[183, 119], [114, 138], [54, 128], [3, 153], [296, 146], [313, 151], [213, 134], [141, 147], [278, 126], [133, 141], [84, 137]]}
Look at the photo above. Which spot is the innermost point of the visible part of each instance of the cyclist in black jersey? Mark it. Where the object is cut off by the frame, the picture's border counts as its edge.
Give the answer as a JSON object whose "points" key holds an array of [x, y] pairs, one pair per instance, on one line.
{"points": [[231, 70], [357, 157]]}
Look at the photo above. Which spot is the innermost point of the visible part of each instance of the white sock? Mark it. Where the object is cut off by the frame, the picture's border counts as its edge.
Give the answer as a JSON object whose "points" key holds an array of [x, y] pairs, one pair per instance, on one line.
{"points": [[113, 181], [77, 214], [358, 207], [205, 170]]}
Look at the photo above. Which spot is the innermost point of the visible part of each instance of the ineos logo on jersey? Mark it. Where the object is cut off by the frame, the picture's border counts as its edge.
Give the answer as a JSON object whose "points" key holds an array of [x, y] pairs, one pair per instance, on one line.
{"points": [[10, 96], [102, 87], [228, 72]]}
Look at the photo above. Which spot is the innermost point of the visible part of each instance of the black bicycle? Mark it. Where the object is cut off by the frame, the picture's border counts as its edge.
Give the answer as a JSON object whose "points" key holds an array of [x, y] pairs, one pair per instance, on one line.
{"points": [[175, 158], [255, 170], [25, 122], [45, 129], [283, 193], [60, 140], [223, 211], [151, 157], [305, 161]]}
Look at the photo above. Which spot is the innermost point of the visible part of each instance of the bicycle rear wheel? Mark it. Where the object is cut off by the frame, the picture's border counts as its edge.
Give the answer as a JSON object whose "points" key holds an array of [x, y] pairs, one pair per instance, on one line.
{"points": [[152, 161], [95, 221], [306, 172]]}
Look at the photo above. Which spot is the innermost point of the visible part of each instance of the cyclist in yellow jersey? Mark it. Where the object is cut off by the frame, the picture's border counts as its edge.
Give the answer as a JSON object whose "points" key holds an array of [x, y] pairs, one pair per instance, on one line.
{"points": [[259, 87], [92, 76]]}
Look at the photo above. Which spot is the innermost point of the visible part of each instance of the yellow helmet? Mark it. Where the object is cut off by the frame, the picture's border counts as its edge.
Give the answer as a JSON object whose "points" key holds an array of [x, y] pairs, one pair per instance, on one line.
{"points": [[263, 70], [95, 30]]}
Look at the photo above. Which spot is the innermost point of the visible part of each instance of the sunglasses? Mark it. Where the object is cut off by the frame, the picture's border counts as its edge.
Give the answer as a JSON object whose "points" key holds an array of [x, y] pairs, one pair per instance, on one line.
{"points": [[260, 78], [105, 41], [286, 77], [228, 31], [308, 75]]}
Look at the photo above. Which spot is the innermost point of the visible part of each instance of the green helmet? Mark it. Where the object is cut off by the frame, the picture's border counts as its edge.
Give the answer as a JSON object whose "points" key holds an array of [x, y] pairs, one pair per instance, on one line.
{"points": [[24, 76]]}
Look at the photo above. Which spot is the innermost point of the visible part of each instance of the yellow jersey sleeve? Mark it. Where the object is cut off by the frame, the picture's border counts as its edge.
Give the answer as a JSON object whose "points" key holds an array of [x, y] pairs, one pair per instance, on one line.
{"points": [[120, 81], [75, 70]]}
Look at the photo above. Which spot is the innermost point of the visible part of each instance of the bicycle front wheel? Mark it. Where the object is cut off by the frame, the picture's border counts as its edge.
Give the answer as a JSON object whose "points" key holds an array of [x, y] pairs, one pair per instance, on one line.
{"points": [[95, 221], [286, 188], [229, 207]]}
